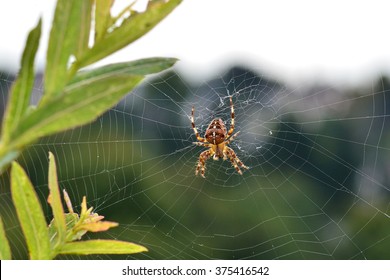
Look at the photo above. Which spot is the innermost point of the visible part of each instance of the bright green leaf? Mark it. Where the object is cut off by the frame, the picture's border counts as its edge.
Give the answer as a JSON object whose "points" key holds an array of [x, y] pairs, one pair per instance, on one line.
{"points": [[30, 214], [81, 103], [7, 157], [131, 29], [5, 251], [55, 201], [63, 42], [102, 18], [137, 67], [100, 246], [85, 29], [19, 97]]}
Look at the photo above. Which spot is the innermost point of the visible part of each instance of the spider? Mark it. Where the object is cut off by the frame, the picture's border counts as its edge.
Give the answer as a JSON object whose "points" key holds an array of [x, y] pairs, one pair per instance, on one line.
{"points": [[217, 139]]}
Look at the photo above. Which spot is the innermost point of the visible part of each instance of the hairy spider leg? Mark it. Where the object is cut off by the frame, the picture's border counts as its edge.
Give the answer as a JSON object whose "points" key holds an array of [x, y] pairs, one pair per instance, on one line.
{"points": [[231, 138], [231, 130], [236, 162], [203, 144], [200, 139], [204, 156]]}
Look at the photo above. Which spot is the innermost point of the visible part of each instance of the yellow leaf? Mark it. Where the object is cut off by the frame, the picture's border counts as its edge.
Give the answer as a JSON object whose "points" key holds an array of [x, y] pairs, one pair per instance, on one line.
{"points": [[98, 226]]}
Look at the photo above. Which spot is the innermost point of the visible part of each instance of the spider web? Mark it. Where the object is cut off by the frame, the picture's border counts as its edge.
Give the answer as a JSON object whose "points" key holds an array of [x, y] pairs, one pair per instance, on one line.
{"points": [[317, 185]]}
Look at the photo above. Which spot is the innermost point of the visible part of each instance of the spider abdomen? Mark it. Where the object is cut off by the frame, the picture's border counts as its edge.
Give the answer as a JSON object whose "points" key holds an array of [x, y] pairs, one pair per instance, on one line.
{"points": [[216, 132]]}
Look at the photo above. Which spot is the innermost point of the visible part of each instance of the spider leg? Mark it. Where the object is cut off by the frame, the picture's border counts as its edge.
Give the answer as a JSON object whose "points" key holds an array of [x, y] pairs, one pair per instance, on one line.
{"points": [[202, 162], [203, 144], [231, 138], [231, 130], [236, 162], [200, 139]]}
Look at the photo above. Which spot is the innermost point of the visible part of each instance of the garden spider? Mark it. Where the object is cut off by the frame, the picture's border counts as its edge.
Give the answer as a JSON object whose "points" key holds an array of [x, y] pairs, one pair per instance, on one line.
{"points": [[217, 139]]}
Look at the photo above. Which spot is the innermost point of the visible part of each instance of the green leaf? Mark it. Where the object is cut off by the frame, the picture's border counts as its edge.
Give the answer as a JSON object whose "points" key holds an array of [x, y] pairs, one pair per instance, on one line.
{"points": [[71, 220], [63, 42], [5, 251], [138, 67], [81, 103], [19, 97], [55, 201], [85, 29], [102, 18], [101, 246], [7, 157], [130, 30], [30, 214]]}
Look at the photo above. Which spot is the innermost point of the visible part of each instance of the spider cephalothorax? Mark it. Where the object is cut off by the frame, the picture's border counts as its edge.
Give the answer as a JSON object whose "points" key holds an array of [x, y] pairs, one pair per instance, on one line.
{"points": [[217, 139]]}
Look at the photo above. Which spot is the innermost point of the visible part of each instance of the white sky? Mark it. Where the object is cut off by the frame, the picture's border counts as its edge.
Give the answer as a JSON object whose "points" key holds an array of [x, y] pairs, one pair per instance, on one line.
{"points": [[340, 41]]}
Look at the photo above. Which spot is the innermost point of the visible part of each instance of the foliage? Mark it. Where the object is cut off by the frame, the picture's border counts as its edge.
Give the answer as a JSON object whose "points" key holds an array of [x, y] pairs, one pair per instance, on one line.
{"points": [[5, 251], [72, 97], [62, 234]]}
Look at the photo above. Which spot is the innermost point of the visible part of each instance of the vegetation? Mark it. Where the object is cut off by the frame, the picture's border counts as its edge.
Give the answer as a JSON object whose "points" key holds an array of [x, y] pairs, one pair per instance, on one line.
{"points": [[72, 97]]}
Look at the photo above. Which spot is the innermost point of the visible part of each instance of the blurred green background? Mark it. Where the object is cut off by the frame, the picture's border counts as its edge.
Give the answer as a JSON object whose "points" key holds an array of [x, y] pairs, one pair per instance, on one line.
{"points": [[317, 188]]}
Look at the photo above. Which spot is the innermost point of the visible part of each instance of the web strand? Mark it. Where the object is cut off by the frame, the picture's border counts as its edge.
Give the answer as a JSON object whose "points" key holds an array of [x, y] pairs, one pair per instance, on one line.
{"points": [[317, 184]]}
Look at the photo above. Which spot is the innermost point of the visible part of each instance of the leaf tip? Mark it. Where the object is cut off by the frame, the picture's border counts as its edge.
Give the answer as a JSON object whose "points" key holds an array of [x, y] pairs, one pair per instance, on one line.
{"points": [[84, 206], [67, 201]]}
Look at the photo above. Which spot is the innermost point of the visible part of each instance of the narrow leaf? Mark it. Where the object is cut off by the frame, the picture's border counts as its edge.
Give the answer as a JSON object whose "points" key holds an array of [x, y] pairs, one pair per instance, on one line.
{"points": [[19, 97], [85, 28], [30, 214], [83, 205], [5, 251], [55, 201], [81, 103], [63, 42], [68, 202], [137, 67], [7, 158], [94, 217], [71, 220], [98, 226], [102, 18], [131, 29], [100, 246]]}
